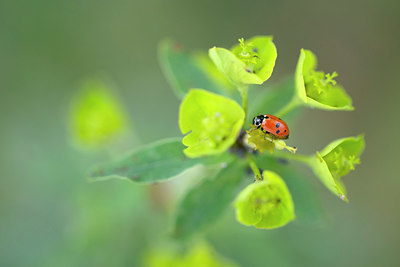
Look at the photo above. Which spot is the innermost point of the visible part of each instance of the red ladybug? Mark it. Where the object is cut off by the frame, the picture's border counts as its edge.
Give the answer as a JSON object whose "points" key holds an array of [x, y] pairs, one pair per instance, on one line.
{"points": [[272, 125]]}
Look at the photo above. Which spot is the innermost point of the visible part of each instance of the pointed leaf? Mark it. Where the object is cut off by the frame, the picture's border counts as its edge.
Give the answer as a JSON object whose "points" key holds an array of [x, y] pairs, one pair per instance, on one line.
{"points": [[204, 203], [184, 71], [153, 163]]}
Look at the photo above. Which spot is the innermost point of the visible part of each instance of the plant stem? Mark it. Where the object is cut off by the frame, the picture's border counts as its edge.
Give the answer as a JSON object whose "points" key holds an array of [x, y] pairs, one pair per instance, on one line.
{"points": [[298, 157], [254, 168], [294, 103], [243, 93]]}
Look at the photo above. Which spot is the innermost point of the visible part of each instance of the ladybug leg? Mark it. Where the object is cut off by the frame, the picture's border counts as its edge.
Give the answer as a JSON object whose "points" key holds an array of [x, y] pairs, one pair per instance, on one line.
{"points": [[272, 138], [265, 135]]}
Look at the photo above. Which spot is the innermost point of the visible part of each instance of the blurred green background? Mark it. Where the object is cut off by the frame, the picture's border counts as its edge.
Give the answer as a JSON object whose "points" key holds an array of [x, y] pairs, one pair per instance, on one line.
{"points": [[50, 215]]}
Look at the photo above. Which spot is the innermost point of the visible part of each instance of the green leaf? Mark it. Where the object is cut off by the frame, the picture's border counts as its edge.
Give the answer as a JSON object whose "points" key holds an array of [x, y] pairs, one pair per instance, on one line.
{"points": [[204, 203], [336, 160], [214, 122], [153, 163], [95, 115], [317, 89], [184, 71], [308, 207], [266, 204]]}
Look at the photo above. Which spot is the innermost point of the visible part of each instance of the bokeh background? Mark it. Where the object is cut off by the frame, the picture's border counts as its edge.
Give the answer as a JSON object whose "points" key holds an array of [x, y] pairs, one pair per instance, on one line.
{"points": [[51, 216]]}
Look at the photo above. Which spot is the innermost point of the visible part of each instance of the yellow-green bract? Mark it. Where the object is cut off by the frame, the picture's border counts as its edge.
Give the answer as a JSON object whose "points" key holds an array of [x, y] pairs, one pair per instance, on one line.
{"points": [[240, 72], [212, 121], [266, 204], [336, 160], [317, 89], [201, 254], [96, 117]]}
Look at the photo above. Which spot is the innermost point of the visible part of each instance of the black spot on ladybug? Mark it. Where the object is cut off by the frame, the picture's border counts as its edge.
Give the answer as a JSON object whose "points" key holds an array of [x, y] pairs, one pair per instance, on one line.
{"points": [[278, 125], [277, 132], [285, 131]]}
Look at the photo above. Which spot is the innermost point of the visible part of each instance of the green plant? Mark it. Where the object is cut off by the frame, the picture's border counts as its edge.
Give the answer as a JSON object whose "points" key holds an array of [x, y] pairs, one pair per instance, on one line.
{"points": [[215, 124]]}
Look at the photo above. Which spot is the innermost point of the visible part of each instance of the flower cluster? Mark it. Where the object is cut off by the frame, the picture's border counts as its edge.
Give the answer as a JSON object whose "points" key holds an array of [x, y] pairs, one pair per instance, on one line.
{"points": [[214, 118]]}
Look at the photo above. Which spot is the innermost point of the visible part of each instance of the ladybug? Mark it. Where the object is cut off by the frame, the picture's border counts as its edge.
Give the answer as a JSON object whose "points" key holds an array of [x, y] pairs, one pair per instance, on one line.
{"points": [[272, 125]]}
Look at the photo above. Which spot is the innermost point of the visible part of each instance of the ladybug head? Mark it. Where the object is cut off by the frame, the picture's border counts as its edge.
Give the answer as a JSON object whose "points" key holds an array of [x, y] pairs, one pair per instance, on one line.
{"points": [[257, 120]]}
